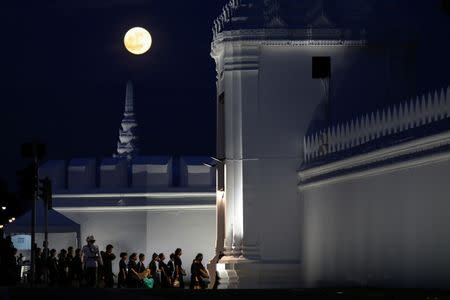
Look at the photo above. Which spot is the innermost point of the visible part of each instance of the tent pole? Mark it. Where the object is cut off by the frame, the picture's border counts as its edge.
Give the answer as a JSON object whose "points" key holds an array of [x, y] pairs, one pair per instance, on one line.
{"points": [[78, 239], [46, 228]]}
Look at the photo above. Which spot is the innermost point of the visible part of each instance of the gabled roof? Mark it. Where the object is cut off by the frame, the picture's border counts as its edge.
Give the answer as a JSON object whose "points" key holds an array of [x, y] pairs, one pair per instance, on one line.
{"points": [[57, 223]]}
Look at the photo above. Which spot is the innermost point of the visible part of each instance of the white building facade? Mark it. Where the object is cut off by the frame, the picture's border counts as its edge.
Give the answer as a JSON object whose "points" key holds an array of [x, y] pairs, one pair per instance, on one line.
{"points": [[136, 205], [303, 204], [141, 204]]}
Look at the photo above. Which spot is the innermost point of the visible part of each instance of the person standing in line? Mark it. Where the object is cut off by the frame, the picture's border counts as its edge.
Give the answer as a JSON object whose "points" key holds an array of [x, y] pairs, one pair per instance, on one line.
{"points": [[69, 259], [198, 273], [171, 266], [141, 269], [52, 266], [154, 270], [39, 266], [179, 271], [91, 260], [133, 275], [45, 256], [62, 267], [18, 264], [76, 269], [123, 270], [107, 258], [165, 274], [70, 253]]}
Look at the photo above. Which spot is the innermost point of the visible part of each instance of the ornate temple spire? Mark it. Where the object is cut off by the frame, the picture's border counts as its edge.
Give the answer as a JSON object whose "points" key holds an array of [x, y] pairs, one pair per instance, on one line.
{"points": [[129, 99], [127, 146]]}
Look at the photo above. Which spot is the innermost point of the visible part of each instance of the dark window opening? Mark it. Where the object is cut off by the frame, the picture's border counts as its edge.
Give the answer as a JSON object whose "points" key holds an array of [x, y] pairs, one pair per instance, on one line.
{"points": [[321, 67]]}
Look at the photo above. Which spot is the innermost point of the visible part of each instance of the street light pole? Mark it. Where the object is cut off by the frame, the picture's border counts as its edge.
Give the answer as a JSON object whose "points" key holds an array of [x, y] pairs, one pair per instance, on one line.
{"points": [[36, 152], [33, 215]]}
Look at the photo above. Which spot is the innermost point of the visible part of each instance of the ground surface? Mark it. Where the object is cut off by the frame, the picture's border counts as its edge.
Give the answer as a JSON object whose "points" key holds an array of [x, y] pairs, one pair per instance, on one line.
{"points": [[137, 294]]}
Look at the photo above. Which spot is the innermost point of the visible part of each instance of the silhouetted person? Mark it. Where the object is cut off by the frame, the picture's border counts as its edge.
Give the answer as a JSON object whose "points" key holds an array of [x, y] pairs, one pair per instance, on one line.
{"points": [[171, 266], [63, 268], [69, 259], [52, 266], [165, 273], [141, 268], [133, 275], [39, 265], [179, 271], [9, 263], [107, 258], [154, 270], [45, 256], [76, 269], [19, 264], [123, 271], [198, 273], [91, 260]]}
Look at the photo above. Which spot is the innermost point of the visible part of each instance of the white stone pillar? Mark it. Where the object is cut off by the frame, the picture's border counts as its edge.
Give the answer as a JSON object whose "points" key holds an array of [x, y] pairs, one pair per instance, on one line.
{"points": [[241, 63]]}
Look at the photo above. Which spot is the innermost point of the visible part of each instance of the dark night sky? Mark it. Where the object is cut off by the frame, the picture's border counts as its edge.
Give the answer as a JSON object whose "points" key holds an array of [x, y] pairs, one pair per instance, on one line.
{"points": [[64, 70]]}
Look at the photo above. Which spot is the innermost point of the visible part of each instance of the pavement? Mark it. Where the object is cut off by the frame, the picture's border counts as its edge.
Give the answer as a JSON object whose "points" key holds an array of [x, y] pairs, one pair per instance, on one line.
{"points": [[137, 294]]}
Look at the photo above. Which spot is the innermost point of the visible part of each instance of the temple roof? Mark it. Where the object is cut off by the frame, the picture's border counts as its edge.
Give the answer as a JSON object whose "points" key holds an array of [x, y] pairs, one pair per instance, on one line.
{"points": [[355, 18]]}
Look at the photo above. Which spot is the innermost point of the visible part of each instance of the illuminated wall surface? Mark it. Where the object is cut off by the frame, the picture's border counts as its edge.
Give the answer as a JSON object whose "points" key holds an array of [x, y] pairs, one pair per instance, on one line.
{"points": [[152, 232], [296, 223], [147, 205], [389, 228]]}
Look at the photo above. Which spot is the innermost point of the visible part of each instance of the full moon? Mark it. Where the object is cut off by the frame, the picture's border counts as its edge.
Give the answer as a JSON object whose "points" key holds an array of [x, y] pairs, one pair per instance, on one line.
{"points": [[137, 40]]}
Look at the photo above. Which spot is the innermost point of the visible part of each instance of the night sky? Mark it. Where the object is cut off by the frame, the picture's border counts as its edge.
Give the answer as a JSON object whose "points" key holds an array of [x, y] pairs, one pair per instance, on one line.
{"points": [[64, 71]]}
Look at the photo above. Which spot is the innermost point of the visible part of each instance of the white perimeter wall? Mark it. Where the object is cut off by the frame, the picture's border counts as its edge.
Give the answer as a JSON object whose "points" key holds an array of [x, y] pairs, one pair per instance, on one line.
{"points": [[151, 231], [275, 121], [391, 229]]}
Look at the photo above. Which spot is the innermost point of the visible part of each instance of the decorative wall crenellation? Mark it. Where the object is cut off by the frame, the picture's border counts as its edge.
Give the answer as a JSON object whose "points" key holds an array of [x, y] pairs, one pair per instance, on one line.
{"points": [[414, 113], [227, 13]]}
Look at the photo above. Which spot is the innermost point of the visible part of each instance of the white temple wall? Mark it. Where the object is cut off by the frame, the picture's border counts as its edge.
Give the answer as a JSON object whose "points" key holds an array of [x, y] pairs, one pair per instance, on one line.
{"points": [[288, 95], [58, 241], [390, 229], [192, 231], [114, 174], [151, 231], [268, 111], [81, 174], [126, 231]]}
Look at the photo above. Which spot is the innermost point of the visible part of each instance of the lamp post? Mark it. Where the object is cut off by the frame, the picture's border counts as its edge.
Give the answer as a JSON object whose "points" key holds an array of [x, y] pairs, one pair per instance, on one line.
{"points": [[36, 152]]}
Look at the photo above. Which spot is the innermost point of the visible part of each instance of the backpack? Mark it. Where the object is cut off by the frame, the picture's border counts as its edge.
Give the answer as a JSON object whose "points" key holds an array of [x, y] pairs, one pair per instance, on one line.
{"points": [[148, 283]]}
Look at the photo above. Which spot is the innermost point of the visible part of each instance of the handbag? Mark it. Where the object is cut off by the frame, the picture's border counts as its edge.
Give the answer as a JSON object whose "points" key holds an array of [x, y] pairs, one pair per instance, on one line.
{"points": [[176, 283], [148, 282]]}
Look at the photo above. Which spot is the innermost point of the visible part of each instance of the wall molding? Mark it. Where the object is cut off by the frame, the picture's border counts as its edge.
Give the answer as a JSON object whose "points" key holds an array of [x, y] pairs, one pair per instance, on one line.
{"points": [[161, 195], [154, 208], [413, 147]]}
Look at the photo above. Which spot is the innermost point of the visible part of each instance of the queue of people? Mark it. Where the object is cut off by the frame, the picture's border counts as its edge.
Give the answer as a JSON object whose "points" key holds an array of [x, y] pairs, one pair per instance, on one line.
{"points": [[91, 267], [133, 272]]}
